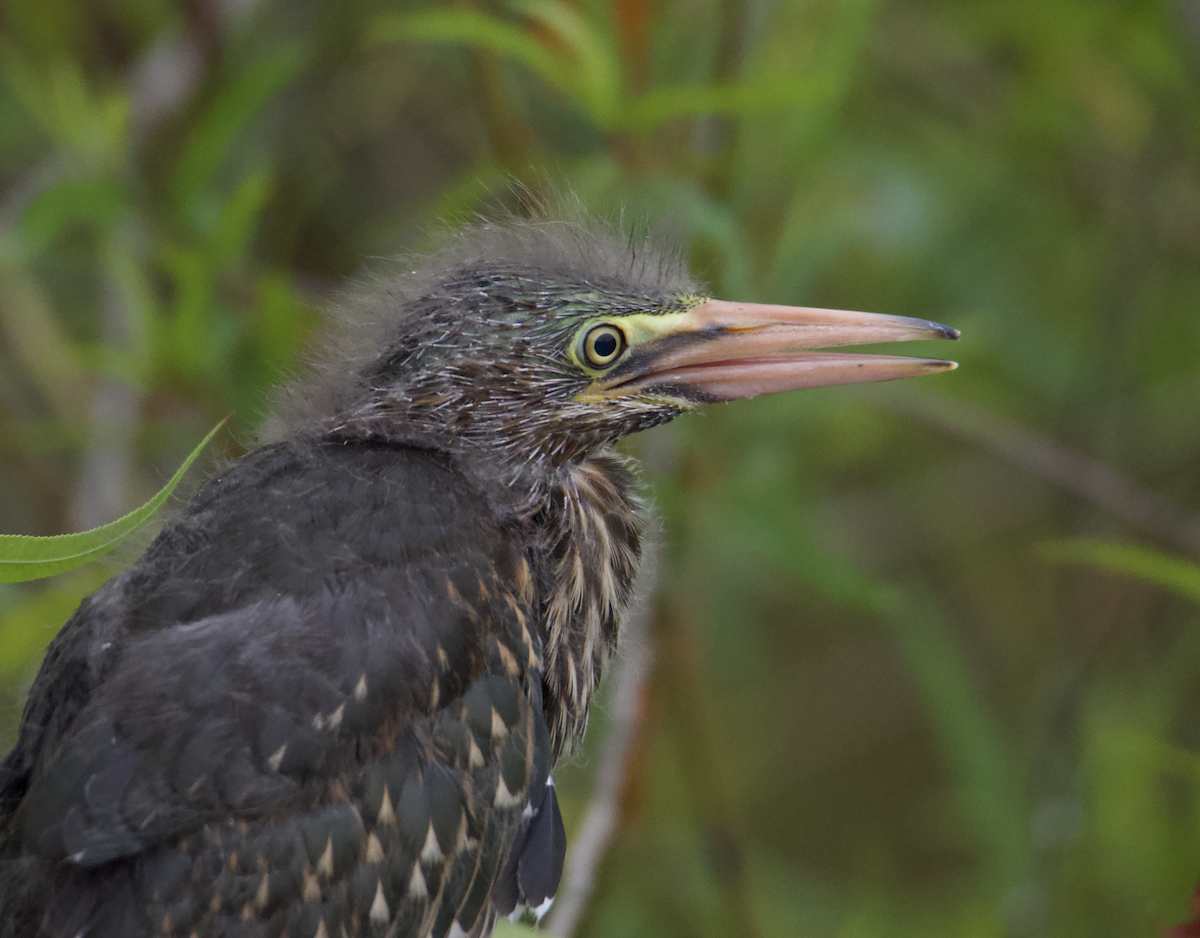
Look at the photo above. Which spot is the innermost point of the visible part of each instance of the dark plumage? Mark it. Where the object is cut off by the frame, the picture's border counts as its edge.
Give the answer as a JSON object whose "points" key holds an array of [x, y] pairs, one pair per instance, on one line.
{"points": [[327, 699]]}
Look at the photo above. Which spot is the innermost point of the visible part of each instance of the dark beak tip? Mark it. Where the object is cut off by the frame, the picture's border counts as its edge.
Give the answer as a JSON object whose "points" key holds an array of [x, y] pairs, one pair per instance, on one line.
{"points": [[946, 332]]}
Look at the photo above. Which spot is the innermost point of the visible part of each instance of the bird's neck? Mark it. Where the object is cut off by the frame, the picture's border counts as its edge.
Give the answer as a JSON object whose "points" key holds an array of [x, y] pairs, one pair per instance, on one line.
{"points": [[588, 540], [583, 522]]}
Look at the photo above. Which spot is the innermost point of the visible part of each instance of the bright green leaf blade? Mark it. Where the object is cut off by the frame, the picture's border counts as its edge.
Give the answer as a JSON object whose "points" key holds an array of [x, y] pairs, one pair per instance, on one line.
{"points": [[1180, 576], [29, 558]]}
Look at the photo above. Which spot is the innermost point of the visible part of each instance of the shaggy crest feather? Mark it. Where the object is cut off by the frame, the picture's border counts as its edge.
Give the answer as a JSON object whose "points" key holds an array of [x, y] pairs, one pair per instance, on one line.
{"points": [[384, 307]]}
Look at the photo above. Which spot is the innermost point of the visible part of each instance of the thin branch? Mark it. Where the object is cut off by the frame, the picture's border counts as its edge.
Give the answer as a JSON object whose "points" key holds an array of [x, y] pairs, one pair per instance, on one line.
{"points": [[99, 494], [1074, 471]]}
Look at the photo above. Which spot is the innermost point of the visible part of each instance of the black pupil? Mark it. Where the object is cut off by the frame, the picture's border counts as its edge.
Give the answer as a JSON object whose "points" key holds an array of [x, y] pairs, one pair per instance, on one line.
{"points": [[605, 345]]}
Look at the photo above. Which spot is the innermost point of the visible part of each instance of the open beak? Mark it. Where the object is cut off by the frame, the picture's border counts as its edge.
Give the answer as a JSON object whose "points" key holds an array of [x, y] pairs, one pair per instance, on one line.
{"points": [[721, 351]]}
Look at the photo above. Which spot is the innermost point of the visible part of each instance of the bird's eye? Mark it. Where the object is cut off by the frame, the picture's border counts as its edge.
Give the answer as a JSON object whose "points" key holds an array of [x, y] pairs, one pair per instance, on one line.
{"points": [[603, 345]]}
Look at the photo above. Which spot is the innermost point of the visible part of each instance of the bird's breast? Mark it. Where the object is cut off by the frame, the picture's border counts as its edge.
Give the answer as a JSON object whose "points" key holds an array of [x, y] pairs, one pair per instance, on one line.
{"points": [[587, 567]]}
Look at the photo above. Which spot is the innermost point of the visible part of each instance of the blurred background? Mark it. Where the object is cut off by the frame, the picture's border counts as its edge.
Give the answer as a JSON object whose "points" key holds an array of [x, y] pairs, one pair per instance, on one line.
{"points": [[924, 658]]}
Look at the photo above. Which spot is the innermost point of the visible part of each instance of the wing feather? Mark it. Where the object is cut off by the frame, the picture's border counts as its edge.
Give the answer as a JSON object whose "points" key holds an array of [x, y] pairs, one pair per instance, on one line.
{"points": [[314, 705]]}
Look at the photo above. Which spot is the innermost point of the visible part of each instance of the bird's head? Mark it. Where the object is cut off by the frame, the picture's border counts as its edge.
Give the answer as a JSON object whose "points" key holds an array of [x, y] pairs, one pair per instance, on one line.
{"points": [[546, 342]]}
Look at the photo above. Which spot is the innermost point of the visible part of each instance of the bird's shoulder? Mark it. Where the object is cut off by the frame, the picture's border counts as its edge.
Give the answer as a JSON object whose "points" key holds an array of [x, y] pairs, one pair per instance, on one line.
{"points": [[296, 516], [321, 630], [291, 520]]}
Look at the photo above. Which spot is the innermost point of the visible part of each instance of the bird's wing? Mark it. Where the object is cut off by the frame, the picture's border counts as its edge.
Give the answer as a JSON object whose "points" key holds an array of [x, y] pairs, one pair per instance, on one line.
{"points": [[321, 707]]}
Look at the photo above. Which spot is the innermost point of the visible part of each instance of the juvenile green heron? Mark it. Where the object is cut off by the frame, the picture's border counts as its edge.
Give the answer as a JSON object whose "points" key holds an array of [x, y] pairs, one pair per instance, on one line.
{"points": [[328, 698]]}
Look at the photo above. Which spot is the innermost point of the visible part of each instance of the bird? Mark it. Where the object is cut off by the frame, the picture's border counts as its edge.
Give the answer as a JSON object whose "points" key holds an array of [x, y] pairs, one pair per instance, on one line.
{"points": [[328, 699]]}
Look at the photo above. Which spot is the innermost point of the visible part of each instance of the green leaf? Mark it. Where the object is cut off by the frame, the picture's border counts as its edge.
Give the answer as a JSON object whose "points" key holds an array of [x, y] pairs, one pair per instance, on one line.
{"points": [[587, 72], [95, 201], [215, 134], [468, 28], [666, 103], [238, 218], [595, 69], [57, 96], [29, 558], [1179, 576]]}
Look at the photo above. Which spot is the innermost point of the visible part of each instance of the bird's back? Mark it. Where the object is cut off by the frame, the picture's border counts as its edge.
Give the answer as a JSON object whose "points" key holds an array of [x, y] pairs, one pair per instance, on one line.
{"points": [[314, 705]]}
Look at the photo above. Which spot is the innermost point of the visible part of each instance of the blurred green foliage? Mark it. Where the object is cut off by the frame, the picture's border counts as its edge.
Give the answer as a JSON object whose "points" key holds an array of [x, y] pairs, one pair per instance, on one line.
{"points": [[886, 709]]}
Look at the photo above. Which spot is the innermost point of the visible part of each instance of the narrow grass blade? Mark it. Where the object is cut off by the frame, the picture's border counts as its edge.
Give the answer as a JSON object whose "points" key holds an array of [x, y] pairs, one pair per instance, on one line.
{"points": [[30, 558]]}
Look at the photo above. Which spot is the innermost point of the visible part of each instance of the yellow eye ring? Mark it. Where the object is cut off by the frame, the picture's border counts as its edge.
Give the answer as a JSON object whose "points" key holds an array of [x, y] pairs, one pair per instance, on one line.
{"points": [[603, 345]]}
